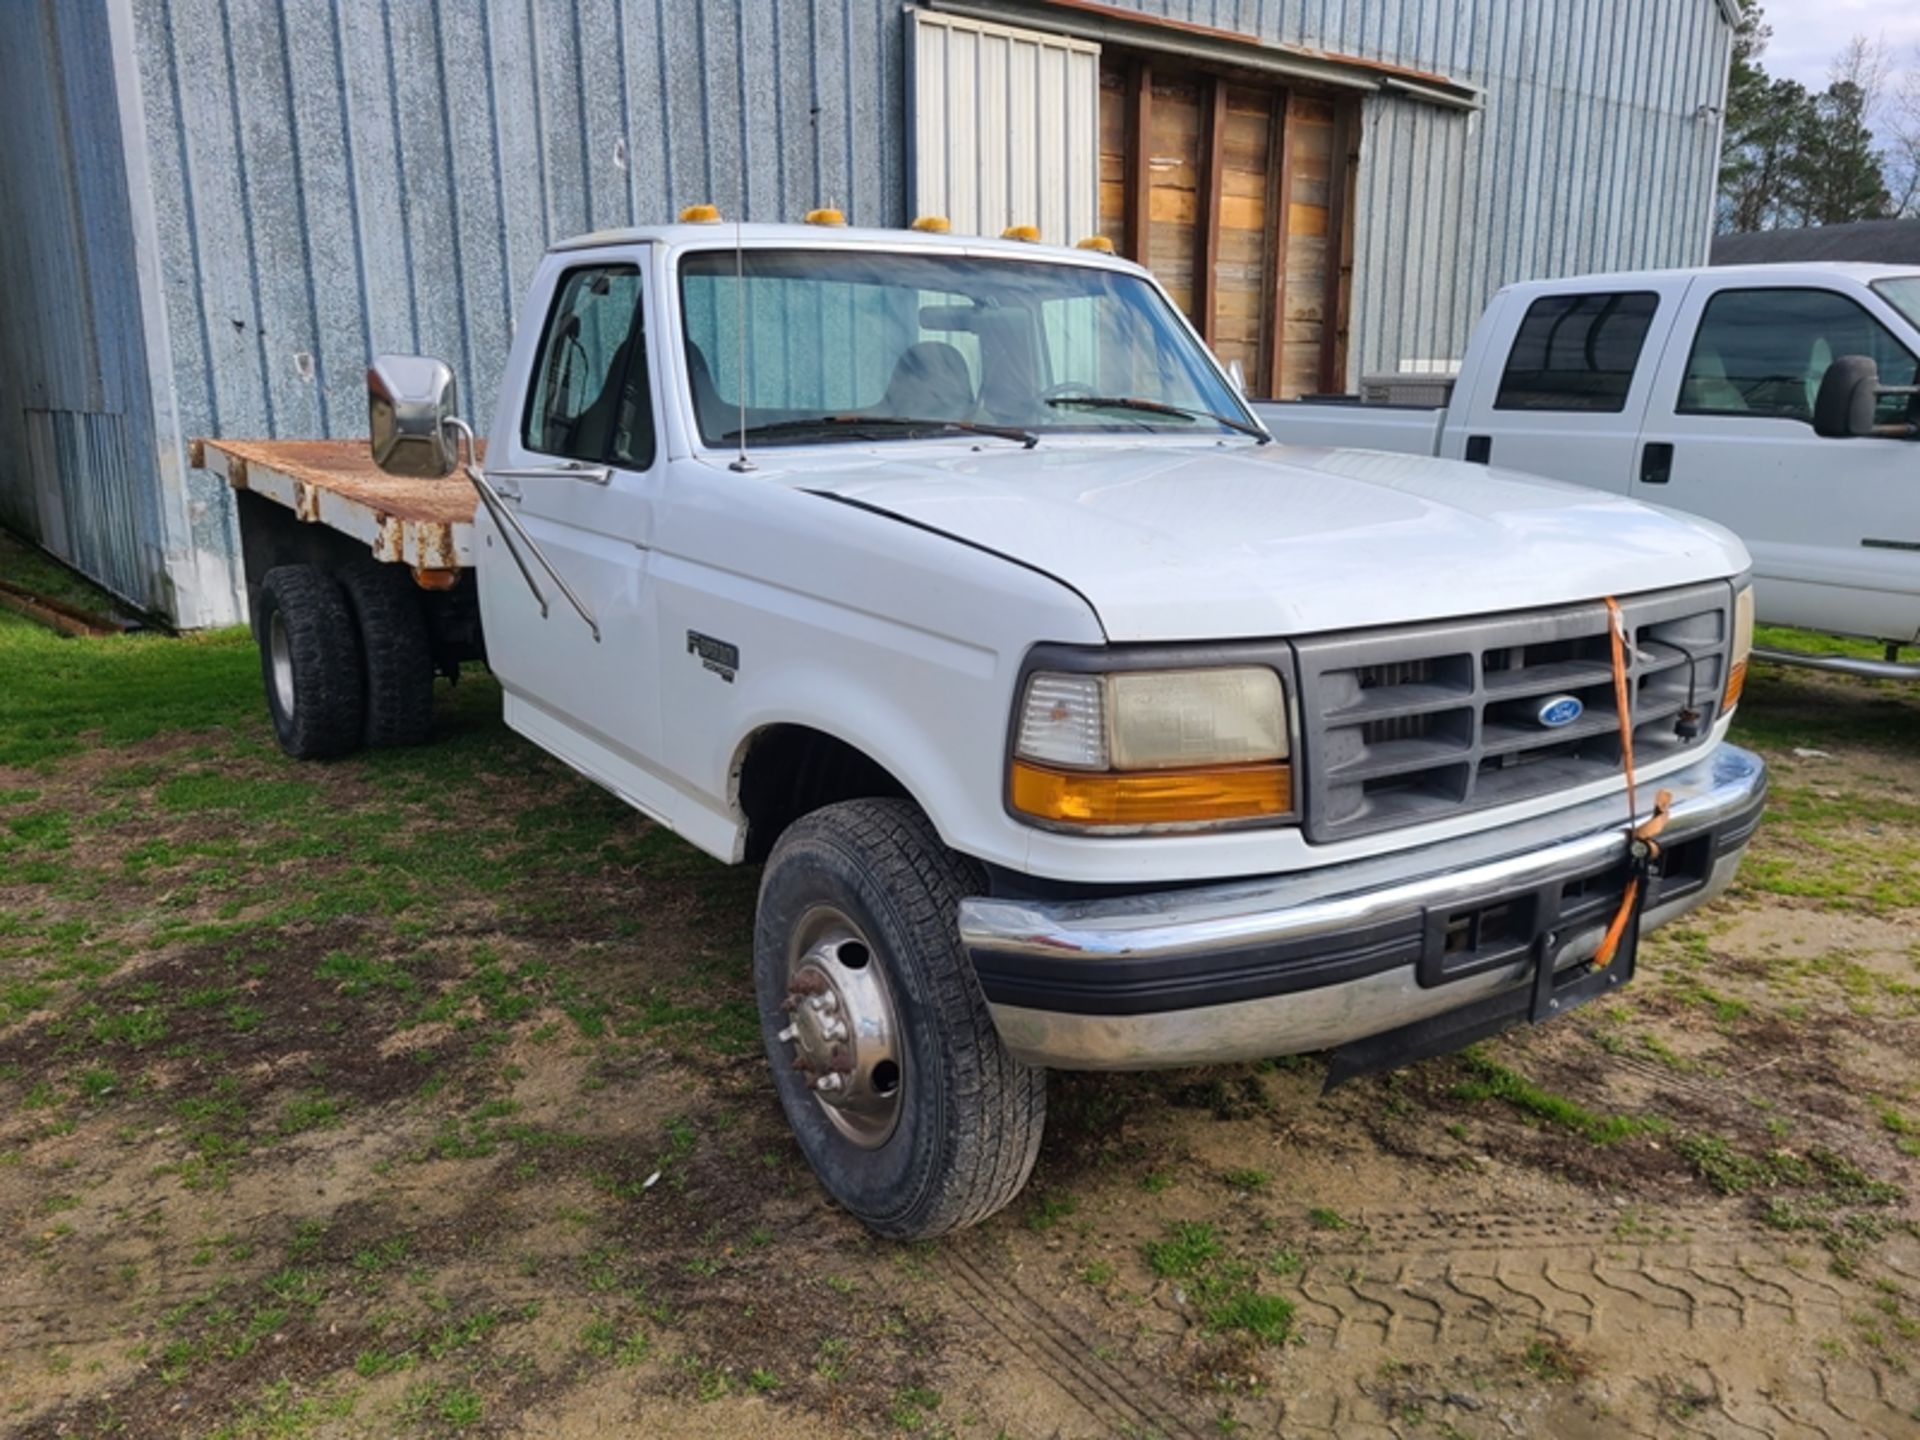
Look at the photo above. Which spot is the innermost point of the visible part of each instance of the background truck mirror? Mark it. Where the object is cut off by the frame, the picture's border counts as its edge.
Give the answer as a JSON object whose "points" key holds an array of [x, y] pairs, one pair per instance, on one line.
{"points": [[1848, 394], [411, 400]]}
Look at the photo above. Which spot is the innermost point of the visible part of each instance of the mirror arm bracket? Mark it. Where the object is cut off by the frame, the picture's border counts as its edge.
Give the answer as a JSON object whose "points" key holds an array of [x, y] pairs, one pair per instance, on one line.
{"points": [[511, 530]]}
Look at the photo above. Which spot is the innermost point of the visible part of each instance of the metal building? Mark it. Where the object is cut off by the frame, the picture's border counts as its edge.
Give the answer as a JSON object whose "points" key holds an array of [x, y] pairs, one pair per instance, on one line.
{"points": [[218, 209]]}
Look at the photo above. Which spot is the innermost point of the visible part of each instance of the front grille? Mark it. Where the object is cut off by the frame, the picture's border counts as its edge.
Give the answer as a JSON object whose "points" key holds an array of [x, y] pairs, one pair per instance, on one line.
{"points": [[1418, 722]]}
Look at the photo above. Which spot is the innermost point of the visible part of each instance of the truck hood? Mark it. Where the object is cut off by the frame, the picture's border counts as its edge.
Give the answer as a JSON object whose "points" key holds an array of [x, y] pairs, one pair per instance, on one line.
{"points": [[1178, 542]]}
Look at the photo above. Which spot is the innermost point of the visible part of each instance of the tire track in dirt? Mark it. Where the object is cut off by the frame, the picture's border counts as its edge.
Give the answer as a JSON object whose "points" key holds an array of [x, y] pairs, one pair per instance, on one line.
{"points": [[1122, 1402], [1424, 1286], [1442, 1284]]}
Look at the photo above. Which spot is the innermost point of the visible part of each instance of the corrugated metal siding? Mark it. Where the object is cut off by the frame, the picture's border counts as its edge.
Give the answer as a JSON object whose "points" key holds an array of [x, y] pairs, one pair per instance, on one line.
{"points": [[75, 423], [1598, 150], [337, 180], [1003, 127], [1593, 152]]}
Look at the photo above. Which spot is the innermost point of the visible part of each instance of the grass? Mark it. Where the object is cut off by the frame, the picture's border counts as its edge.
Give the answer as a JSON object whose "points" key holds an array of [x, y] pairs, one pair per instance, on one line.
{"points": [[1049, 1209], [510, 926], [1223, 1290], [34, 570], [1821, 1193], [63, 695], [1552, 1360], [1487, 1079]]}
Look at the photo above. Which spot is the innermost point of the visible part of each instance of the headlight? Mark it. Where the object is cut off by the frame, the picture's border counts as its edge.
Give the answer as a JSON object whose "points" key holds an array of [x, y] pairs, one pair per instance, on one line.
{"points": [[1152, 748], [1742, 646]]}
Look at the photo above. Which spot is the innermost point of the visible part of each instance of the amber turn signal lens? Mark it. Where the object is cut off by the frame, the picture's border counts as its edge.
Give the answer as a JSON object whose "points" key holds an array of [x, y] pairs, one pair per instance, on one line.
{"points": [[1736, 682], [1155, 797]]}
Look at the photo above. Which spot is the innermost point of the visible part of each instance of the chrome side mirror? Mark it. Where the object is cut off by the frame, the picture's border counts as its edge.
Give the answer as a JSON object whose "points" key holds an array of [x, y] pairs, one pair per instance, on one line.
{"points": [[411, 401], [1237, 373]]}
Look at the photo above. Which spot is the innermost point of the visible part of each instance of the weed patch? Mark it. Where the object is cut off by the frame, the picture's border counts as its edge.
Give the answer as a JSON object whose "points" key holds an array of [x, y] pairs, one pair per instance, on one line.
{"points": [[1223, 1291], [1489, 1080]]}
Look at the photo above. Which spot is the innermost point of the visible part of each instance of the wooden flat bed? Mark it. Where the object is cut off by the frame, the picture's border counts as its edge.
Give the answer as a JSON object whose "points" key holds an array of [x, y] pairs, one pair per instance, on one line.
{"points": [[425, 524]]}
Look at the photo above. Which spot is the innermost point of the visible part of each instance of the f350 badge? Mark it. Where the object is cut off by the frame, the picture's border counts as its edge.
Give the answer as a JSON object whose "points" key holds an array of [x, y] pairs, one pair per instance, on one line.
{"points": [[719, 656], [1558, 710]]}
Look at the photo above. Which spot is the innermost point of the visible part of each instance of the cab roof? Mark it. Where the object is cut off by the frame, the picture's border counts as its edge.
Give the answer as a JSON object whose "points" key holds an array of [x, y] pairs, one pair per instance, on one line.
{"points": [[1774, 274], [720, 235]]}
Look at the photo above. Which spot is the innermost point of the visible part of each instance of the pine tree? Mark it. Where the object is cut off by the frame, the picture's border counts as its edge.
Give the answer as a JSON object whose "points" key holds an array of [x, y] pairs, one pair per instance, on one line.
{"points": [[1792, 157], [1836, 176], [1764, 122]]}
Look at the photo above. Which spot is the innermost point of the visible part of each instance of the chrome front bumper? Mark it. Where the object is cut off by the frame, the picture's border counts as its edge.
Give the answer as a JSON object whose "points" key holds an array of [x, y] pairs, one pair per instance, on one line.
{"points": [[1308, 961]]}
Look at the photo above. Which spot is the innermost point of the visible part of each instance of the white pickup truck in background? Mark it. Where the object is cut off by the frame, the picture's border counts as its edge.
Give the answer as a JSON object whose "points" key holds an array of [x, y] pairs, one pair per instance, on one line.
{"points": [[1701, 390], [1077, 724]]}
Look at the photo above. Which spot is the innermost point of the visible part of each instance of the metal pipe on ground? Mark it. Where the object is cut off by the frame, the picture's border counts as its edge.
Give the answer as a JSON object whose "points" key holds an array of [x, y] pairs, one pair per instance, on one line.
{"points": [[1857, 666]]}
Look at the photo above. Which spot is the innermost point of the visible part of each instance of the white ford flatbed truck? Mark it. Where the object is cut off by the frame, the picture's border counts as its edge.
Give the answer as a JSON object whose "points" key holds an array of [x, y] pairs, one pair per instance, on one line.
{"points": [[1777, 400], [1077, 724]]}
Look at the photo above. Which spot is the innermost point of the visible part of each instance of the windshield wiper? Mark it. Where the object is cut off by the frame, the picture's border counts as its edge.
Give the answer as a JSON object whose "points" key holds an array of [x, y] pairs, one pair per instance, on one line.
{"points": [[855, 424], [1159, 407]]}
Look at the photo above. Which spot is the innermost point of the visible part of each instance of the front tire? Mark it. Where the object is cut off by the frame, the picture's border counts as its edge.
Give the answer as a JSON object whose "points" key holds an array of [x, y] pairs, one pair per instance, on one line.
{"points": [[924, 1123], [310, 661]]}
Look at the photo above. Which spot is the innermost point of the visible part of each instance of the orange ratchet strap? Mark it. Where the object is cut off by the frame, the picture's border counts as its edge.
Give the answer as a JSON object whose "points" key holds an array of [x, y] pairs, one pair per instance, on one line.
{"points": [[1642, 842]]}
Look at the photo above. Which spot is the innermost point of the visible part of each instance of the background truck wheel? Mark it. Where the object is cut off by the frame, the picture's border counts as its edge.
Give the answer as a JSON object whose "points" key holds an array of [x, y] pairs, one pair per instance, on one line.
{"points": [[892, 1075], [397, 652], [310, 659]]}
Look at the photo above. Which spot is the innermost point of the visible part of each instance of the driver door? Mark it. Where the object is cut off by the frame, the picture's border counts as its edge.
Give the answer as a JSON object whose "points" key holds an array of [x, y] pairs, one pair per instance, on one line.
{"points": [[1833, 525], [578, 467]]}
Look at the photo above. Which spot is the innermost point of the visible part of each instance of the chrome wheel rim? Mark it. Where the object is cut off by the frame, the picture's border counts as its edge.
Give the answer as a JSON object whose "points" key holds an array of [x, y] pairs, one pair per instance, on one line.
{"points": [[842, 1027], [280, 659]]}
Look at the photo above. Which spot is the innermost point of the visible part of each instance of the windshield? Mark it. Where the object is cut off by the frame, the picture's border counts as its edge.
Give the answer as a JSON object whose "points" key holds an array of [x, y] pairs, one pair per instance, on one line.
{"points": [[1903, 294], [854, 344]]}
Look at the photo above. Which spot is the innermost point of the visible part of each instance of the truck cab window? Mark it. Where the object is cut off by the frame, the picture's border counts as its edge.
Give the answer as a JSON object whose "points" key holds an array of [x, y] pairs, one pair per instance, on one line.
{"points": [[1764, 352], [589, 400], [832, 338], [1577, 352]]}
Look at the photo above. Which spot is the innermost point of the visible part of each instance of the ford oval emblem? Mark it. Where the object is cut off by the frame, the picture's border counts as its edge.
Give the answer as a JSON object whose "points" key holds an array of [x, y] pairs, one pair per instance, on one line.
{"points": [[1558, 710]]}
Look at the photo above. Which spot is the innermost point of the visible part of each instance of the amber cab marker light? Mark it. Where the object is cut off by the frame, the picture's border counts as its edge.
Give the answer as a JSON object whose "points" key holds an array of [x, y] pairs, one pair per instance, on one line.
{"points": [[700, 215], [825, 215], [1028, 233], [1095, 242], [931, 224], [1208, 794]]}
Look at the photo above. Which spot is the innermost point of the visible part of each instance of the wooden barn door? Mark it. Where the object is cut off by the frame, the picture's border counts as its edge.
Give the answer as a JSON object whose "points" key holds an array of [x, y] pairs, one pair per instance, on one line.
{"points": [[1234, 194]]}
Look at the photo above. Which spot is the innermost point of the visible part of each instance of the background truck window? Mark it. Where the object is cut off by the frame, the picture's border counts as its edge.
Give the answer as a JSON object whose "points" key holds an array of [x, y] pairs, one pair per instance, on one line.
{"points": [[1765, 351], [1903, 294], [1577, 352], [590, 399]]}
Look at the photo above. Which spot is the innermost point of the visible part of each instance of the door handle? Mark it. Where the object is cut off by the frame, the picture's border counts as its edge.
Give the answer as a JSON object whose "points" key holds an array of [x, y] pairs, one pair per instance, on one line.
{"points": [[1479, 450], [1656, 463], [567, 470]]}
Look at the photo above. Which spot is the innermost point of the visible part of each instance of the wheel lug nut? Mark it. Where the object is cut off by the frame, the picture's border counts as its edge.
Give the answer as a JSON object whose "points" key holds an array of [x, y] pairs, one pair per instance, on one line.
{"points": [[828, 1082]]}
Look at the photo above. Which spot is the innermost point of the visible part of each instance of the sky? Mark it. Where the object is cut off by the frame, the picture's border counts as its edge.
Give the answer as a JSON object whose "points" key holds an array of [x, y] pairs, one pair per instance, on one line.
{"points": [[1807, 34]]}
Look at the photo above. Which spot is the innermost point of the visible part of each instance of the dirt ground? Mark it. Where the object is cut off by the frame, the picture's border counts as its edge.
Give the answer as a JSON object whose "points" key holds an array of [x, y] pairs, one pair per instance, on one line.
{"points": [[420, 1094]]}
